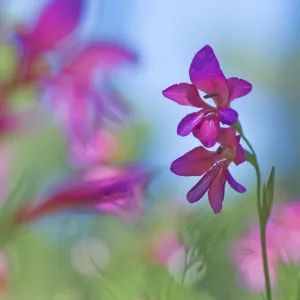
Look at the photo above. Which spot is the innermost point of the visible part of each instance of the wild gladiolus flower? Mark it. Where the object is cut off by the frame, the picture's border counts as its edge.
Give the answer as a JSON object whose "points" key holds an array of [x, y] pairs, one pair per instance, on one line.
{"points": [[112, 191], [82, 103], [78, 195], [214, 164], [100, 149], [129, 206], [57, 21], [207, 76]]}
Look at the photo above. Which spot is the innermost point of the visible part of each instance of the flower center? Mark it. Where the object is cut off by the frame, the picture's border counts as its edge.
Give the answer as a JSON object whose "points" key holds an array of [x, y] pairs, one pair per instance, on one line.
{"points": [[226, 152]]}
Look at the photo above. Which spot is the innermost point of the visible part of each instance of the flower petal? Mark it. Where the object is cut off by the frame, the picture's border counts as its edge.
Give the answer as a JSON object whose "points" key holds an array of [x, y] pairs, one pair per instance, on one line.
{"points": [[238, 88], [240, 156], [201, 187], [227, 115], [56, 22], [98, 56], [207, 76], [207, 132], [227, 137], [217, 190], [234, 184], [185, 94], [189, 122], [194, 163]]}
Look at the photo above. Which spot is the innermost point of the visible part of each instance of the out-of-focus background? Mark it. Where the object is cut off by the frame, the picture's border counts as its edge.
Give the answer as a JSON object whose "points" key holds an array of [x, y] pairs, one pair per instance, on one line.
{"points": [[52, 87]]}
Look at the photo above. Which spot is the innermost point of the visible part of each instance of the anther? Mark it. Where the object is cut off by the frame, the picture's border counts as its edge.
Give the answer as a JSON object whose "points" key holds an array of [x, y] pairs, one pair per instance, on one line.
{"points": [[210, 95]]}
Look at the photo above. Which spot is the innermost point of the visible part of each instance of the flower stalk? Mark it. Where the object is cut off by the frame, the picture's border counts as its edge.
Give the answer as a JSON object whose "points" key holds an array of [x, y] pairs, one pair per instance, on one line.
{"points": [[261, 214]]}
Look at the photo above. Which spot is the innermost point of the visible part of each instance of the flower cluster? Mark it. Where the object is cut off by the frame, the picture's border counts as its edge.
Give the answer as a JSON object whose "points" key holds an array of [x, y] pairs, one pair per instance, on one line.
{"points": [[207, 76], [73, 78]]}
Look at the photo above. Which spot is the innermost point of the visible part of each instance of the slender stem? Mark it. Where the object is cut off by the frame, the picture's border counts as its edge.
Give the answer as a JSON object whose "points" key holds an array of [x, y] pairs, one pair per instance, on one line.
{"points": [[262, 222]]}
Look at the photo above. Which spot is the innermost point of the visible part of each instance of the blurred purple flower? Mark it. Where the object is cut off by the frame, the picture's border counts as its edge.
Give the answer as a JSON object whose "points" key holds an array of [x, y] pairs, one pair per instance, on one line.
{"points": [[102, 147], [129, 206], [57, 21], [82, 103], [214, 164], [207, 76], [102, 193]]}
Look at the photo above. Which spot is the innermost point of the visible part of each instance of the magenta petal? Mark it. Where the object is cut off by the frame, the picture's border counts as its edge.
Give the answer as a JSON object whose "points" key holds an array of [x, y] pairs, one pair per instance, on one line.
{"points": [[201, 187], [185, 94], [188, 123], [98, 56], [57, 21], [207, 76], [217, 190], [208, 131], [227, 137], [234, 184], [239, 156], [194, 163], [227, 115], [238, 87]]}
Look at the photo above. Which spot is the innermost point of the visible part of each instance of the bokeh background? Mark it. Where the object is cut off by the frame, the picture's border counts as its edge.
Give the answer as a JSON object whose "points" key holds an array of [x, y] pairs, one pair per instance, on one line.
{"points": [[83, 255]]}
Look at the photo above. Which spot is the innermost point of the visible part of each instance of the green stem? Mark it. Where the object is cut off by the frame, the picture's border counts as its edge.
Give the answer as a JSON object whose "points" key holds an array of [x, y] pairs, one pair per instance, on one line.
{"points": [[262, 222]]}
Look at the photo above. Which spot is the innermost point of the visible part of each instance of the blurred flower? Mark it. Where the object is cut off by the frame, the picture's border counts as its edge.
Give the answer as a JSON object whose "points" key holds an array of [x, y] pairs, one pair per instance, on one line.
{"points": [[82, 103], [128, 206], [206, 75], [214, 164], [78, 195], [107, 190], [286, 237], [283, 246], [56, 22], [248, 258], [100, 149]]}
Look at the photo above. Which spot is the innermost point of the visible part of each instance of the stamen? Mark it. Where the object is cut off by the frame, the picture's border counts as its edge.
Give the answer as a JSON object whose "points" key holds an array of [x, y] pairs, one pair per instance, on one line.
{"points": [[211, 95]]}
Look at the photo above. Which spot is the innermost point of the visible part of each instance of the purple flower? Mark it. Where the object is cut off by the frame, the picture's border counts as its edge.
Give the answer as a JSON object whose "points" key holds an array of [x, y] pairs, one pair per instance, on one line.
{"points": [[214, 165], [207, 76]]}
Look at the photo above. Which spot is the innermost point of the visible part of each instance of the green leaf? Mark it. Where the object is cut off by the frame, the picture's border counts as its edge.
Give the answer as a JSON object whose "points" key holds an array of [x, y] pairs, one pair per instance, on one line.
{"points": [[268, 194]]}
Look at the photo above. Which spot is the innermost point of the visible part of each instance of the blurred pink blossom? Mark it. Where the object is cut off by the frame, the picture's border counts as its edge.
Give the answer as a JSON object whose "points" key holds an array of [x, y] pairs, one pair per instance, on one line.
{"points": [[283, 246], [100, 149], [130, 206]]}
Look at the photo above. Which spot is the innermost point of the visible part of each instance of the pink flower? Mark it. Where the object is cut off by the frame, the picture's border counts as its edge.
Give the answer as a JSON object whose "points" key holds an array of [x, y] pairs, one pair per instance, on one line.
{"points": [[214, 165], [82, 103], [56, 22], [79, 195], [100, 149], [286, 238], [128, 206], [283, 245], [207, 76], [248, 258]]}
